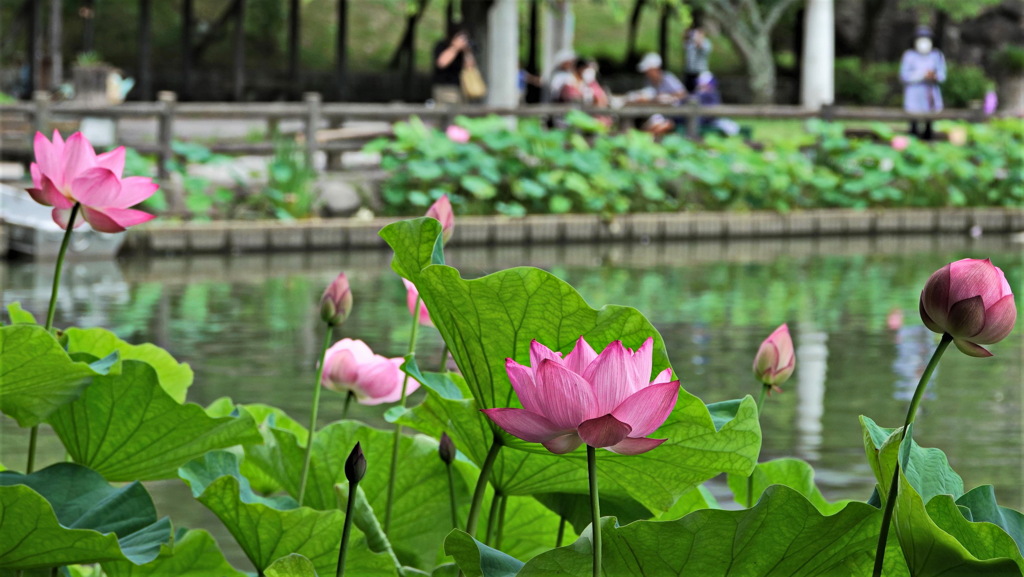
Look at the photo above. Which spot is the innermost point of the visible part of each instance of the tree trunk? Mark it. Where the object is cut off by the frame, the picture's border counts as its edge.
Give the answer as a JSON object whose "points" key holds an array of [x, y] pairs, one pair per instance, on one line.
{"points": [[761, 70], [474, 22], [663, 31], [341, 52], [634, 24], [873, 9]]}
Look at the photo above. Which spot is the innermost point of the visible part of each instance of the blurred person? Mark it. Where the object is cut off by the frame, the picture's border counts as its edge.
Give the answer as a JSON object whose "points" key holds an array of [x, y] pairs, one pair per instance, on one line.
{"points": [[922, 70], [563, 79], [663, 87], [698, 50], [451, 56], [706, 94]]}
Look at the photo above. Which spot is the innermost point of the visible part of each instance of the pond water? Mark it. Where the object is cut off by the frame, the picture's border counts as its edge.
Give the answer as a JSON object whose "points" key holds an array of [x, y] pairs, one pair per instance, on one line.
{"points": [[248, 327]]}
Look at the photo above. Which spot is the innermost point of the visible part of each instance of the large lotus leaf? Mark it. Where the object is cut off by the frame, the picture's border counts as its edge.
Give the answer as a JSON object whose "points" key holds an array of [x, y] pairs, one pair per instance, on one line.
{"points": [[174, 377], [695, 499], [66, 514], [293, 565], [982, 506], [127, 427], [486, 320], [784, 535], [421, 515], [268, 528], [793, 473], [195, 554], [695, 452], [20, 316], [478, 560], [937, 540], [36, 375], [927, 469]]}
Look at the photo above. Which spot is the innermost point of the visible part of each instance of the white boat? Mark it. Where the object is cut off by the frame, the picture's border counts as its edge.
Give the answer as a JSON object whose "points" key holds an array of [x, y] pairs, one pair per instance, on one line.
{"points": [[29, 230]]}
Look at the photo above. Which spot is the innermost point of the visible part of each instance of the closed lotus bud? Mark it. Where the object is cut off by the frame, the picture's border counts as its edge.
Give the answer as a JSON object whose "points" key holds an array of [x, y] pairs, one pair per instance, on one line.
{"points": [[336, 303], [442, 212], [775, 359], [971, 300], [446, 449], [355, 465]]}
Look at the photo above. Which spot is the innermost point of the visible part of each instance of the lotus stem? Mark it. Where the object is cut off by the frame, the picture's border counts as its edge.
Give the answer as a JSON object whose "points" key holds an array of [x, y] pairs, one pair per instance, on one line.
{"points": [[347, 530], [481, 486], [451, 496], [561, 531], [595, 508], [750, 478], [389, 504], [328, 335], [492, 519], [890, 501], [33, 435], [501, 522], [348, 402], [444, 360]]}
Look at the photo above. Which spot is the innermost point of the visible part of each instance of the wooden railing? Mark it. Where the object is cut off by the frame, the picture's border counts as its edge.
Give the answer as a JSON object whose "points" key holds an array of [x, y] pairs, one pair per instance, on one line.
{"points": [[39, 114]]}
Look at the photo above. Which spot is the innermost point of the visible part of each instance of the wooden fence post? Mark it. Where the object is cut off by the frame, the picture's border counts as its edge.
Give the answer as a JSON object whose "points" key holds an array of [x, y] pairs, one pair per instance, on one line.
{"points": [[693, 119], [334, 158], [312, 100], [165, 131], [41, 116]]}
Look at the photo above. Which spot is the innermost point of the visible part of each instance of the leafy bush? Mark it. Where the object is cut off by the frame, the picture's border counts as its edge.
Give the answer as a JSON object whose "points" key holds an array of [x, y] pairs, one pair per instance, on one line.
{"points": [[964, 84], [531, 169], [867, 84], [1010, 59]]}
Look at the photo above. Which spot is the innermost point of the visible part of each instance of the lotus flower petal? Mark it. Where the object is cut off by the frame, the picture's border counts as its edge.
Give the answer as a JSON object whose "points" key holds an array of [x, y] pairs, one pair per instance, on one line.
{"points": [[635, 446], [970, 277], [526, 425], [971, 301], [563, 444], [967, 316], [663, 377], [539, 352], [78, 157], [113, 161], [567, 398], [581, 356], [614, 376], [775, 359], [114, 219], [999, 320], [645, 410], [971, 349], [381, 381], [350, 365], [603, 431], [136, 189], [522, 381], [61, 216]]}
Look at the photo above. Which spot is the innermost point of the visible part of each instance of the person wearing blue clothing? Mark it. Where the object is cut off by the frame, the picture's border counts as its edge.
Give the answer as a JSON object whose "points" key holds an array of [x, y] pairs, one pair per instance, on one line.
{"points": [[922, 70]]}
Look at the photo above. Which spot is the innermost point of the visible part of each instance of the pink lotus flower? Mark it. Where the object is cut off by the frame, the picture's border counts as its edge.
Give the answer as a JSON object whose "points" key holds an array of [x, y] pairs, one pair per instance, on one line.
{"points": [[336, 303], [71, 172], [900, 142], [775, 360], [441, 211], [602, 400], [971, 300], [411, 297], [350, 365], [457, 134]]}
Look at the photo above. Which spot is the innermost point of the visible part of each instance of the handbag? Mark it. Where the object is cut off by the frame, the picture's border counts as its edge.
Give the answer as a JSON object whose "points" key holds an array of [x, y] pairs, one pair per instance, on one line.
{"points": [[472, 82]]}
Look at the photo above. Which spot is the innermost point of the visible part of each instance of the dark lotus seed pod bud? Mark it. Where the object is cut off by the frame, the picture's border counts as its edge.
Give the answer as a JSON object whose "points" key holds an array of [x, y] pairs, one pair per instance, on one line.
{"points": [[355, 465], [446, 449]]}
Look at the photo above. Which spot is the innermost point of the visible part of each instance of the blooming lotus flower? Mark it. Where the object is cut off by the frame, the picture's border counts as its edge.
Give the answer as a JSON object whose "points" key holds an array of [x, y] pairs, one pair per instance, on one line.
{"points": [[441, 211], [66, 173], [412, 296], [457, 134], [350, 365], [971, 300], [775, 360], [900, 142], [336, 303], [604, 400]]}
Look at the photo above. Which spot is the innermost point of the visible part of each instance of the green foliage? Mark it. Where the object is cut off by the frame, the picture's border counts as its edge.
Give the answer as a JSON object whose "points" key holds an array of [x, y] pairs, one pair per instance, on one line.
{"points": [[126, 427], [195, 554], [531, 169], [478, 560], [956, 9], [289, 193], [37, 376], [965, 86], [867, 83], [793, 473], [293, 565], [1010, 59], [67, 514]]}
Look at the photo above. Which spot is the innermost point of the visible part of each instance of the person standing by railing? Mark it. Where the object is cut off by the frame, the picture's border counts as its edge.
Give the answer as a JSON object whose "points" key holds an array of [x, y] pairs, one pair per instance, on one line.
{"points": [[922, 69], [698, 50], [451, 56]]}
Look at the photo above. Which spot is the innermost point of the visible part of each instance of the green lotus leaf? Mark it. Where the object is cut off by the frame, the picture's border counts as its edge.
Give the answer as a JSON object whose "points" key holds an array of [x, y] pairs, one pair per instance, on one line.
{"points": [[67, 513], [982, 506], [195, 554], [293, 565], [127, 427], [927, 469], [36, 375], [174, 377], [478, 560], [268, 528], [793, 473], [784, 535]]}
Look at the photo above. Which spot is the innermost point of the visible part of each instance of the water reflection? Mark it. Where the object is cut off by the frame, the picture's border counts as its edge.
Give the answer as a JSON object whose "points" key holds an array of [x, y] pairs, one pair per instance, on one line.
{"points": [[247, 325]]}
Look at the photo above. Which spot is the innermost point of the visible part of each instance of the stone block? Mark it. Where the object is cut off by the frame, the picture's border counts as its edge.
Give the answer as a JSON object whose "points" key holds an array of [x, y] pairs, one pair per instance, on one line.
{"points": [[803, 223], [472, 231], [677, 225], [364, 234], [647, 227], [212, 238], [286, 237], [248, 237], [167, 239], [918, 220], [581, 228], [510, 231], [954, 220], [709, 225], [859, 222], [544, 228], [738, 225], [990, 219], [888, 221], [615, 230], [324, 236]]}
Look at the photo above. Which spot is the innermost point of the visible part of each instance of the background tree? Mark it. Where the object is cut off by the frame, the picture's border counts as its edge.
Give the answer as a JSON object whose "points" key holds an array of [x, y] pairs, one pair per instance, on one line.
{"points": [[749, 25]]}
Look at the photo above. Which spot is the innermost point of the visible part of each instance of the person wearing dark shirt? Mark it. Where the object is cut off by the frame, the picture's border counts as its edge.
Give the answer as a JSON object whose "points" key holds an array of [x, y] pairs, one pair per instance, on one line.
{"points": [[451, 56]]}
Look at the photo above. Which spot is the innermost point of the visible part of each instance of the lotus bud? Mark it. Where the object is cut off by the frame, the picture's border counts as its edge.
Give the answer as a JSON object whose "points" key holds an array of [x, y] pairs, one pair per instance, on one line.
{"points": [[442, 212], [775, 360], [971, 300], [336, 303], [446, 449], [355, 465]]}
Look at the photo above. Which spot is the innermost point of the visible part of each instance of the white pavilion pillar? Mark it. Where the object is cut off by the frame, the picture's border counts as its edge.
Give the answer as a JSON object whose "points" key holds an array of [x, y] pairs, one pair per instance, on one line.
{"points": [[817, 75]]}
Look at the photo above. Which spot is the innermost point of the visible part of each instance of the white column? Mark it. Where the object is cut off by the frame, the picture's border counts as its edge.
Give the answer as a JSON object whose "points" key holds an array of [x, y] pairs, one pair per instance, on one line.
{"points": [[817, 77], [559, 25], [503, 54]]}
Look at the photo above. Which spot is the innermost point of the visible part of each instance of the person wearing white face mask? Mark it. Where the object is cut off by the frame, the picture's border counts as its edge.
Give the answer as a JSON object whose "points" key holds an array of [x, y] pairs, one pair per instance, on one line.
{"points": [[922, 70]]}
